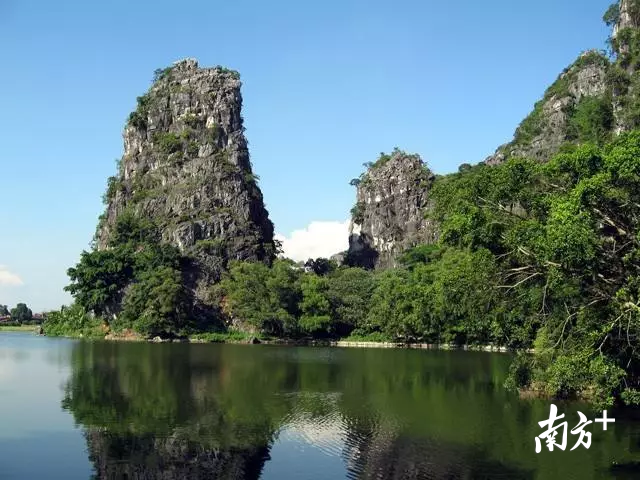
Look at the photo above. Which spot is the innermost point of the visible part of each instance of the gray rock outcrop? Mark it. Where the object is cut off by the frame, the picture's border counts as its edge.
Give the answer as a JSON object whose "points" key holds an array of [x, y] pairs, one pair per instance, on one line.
{"points": [[542, 133], [186, 168], [389, 216]]}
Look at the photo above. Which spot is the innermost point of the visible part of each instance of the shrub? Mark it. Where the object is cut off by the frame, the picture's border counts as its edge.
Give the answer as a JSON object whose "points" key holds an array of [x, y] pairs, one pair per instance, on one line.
{"points": [[612, 15], [193, 148], [157, 303], [72, 321], [232, 73], [161, 73], [531, 126], [225, 337], [168, 143], [591, 120], [138, 118], [210, 246], [251, 177], [357, 213], [191, 120], [113, 184], [618, 80]]}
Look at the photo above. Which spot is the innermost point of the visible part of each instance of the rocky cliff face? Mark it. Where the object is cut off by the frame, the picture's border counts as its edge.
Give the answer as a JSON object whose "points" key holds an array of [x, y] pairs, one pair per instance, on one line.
{"points": [[388, 218], [628, 16], [625, 74], [186, 168], [541, 134]]}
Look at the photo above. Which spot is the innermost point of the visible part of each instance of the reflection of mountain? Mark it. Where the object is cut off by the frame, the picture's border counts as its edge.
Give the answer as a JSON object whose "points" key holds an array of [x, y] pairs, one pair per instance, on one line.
{"points": [[201, 411], [146, 457]]}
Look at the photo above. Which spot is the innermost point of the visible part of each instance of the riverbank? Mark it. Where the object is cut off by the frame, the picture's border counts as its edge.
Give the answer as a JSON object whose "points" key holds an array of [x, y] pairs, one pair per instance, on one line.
{"points": [[420, 346], [253, 339], [19, 328]]}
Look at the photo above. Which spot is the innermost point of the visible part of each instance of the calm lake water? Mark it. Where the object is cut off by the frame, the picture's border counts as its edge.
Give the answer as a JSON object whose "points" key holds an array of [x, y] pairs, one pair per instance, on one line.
{"points": [[107, 410]]}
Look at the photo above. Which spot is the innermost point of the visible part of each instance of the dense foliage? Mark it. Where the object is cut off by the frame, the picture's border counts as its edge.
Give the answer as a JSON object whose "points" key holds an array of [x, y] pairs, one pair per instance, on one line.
{"points": [[21, 313], [563, 236], [135, 284], [424, 301], [591, 120], [286, 300], [73, 321]]}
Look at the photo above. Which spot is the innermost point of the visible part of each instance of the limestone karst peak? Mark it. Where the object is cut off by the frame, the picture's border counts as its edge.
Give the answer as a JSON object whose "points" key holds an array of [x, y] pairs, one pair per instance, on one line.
{"points": [[186, 169], [388, 216]]}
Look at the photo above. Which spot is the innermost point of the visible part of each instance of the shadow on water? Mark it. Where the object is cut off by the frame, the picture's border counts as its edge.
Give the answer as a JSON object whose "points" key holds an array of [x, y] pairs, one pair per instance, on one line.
{"points": [[222, 411]]}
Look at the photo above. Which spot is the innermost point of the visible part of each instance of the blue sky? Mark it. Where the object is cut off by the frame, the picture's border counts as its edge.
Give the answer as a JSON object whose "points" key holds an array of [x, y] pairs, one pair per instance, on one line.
{"points": [[326, 85]]}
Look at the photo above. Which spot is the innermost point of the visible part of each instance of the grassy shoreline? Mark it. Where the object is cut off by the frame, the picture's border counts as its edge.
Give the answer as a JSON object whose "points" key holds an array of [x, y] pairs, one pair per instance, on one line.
{"points": [[18, 328]]}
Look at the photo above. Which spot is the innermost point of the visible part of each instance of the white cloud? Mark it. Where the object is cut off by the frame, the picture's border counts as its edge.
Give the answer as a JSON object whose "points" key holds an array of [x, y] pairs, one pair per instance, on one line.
{"points": [[319, 239], [8, 278]]}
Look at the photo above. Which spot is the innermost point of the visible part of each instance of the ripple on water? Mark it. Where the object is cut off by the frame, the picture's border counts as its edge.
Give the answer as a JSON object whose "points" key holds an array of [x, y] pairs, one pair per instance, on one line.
{"points": [[315, 422]]}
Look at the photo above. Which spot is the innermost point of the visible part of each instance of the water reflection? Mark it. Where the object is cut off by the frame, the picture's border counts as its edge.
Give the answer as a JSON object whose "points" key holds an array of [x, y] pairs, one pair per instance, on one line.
{"points": [[211, 411], [133, 456]]}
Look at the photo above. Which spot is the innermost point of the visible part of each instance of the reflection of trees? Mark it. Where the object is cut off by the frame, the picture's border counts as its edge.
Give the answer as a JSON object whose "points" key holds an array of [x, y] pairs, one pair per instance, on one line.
{"points": [[202, 411], [148, 457], [169, 412]]}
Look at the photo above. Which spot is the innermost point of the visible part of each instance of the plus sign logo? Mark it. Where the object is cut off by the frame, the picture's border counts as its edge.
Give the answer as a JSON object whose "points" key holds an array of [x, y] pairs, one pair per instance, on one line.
{"points": [[604, 420], [550, 435]]}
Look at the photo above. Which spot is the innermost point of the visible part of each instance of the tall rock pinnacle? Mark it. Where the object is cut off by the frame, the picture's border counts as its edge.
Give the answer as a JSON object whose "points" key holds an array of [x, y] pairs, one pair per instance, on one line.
{"points": [[186, 168]]}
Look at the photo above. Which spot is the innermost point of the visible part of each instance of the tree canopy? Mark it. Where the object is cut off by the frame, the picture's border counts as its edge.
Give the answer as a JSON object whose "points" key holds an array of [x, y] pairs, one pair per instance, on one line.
{"points": [[21, 313]]}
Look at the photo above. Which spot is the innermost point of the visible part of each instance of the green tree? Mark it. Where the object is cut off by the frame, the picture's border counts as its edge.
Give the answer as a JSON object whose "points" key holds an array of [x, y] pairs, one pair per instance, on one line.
{"points": [[21, 313], [315, 307], [349, 293], [320, 266], [266, 298], [612, 15], [157, 303], [566, 260], [462, 296], [591, 120], [136, 283], [99, 279], [72, 320], [399, 307]]}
